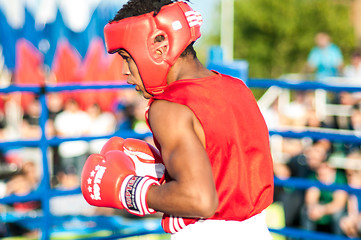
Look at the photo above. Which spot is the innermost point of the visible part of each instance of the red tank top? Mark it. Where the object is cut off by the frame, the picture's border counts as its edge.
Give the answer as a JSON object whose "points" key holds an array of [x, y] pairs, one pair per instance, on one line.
{"points": [[237, 144]]}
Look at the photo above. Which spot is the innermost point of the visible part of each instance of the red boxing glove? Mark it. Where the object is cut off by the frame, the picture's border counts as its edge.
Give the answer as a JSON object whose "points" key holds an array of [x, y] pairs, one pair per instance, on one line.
{"points": [[114, 143], [146, 158], [109, 181]]}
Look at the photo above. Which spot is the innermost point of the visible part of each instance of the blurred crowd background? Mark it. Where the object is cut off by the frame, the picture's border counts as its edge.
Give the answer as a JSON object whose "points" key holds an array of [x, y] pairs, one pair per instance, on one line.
{"points": [[71, 114], [295, 40]]}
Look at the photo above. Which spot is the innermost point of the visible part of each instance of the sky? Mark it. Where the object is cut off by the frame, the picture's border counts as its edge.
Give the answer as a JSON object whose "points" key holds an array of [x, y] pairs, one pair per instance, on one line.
{"points": [[78, 12], [207, 8]]}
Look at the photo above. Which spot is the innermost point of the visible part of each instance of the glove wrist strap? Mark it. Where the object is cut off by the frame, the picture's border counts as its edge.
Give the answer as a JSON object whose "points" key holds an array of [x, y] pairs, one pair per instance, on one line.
{"points": [[133, 194]]}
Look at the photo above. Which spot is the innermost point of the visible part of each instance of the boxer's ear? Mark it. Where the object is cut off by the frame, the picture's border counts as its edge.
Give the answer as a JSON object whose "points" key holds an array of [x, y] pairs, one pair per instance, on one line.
{"points": [[159, 46], [161, 50]]}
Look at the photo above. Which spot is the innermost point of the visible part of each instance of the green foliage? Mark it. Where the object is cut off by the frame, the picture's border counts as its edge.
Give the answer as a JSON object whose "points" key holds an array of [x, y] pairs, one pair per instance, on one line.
{"points": [[275, 36]]}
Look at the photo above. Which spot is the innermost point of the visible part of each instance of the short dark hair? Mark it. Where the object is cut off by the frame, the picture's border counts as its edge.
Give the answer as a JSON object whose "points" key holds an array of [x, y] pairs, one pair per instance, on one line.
{"points": [[139, 7]]}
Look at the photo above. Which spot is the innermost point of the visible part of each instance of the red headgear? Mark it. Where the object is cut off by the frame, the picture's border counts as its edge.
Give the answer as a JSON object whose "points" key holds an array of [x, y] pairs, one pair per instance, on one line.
{"points": [[179, 25]]}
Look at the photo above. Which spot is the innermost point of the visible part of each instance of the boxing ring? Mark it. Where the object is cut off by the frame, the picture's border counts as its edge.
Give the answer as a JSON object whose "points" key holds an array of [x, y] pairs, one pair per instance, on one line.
{"points": [[116, 227], [314, 134], [50, 225]]}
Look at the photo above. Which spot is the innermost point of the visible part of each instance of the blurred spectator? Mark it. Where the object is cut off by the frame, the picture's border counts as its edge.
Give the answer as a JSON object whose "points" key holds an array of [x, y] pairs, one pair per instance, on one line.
{"points": [[121, 117], [325, 59], [6, 170], [5, 75], [353, 71], [13, 115], [351, 223], [101, 123], [55, 106], [356, 118], [291, 147], [3, 123], [295, 113], [352, 76], [300, 166], [347, 98], [139, 123], [354, 124], [30, 128], [123, 109], [271, 116], [324, 208], [313, 120], [28, 160], [131, 108], [21, 184], [32, 173], [23, 171], [69, 204], [72, 123]]}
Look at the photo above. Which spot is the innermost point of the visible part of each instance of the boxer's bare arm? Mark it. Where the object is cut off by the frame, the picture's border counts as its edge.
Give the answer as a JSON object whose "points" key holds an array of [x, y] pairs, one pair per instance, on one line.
{"points": [[191, 192]]}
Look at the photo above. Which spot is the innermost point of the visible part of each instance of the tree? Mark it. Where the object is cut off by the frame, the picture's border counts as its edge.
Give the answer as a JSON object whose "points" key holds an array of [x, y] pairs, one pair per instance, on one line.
{"points": [[275, 36]]}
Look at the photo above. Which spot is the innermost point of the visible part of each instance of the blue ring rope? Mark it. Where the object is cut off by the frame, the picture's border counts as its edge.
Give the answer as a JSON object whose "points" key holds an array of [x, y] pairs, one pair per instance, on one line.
{"points": [[299, 85]]}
